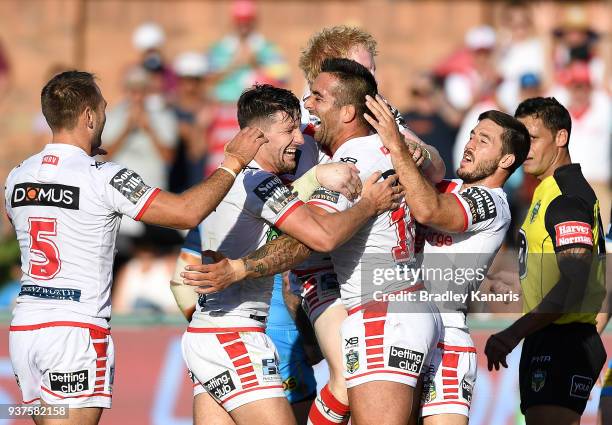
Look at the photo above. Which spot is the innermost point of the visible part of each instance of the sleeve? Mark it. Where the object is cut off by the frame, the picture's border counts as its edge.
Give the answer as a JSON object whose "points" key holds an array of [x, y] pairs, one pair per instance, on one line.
{"points": [[569, 222], [478, 207], [329, 200], [124, 191], [268, 198]]}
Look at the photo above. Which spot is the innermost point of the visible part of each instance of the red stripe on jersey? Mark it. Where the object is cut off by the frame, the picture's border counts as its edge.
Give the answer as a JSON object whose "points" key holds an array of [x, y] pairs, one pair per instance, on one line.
{"points": [[383, 371], [245, 370], [243, 361], [315, 203], [376, 360], [100, 373], [373, 351], [75, 396], [446, 186], [147, 203], [287, 213], [249, 390], [450, 382], [451, 390], [449, 373], [450, 397], [446, 402], [450, 360], [55, 324]]}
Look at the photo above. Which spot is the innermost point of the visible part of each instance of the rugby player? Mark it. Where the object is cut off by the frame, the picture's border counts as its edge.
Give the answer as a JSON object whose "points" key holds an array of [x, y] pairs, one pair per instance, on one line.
{"points": [[461, 225], [231, 360], [561, 273], [66, 208]]}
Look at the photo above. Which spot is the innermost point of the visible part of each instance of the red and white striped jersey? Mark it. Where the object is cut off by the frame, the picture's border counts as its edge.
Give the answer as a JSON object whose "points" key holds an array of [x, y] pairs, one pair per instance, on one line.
{"points": [[66, 208]]}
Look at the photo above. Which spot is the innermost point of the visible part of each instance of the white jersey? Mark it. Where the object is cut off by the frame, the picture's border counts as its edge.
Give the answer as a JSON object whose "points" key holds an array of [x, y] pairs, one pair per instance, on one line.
{"points": [[66, 208], [469, 253], [240, 224], [383, 243]]}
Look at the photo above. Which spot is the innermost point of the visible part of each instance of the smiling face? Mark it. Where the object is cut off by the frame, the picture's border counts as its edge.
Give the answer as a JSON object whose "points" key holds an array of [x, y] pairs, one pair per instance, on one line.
{"points": [[284, 137], [322, 105], [483, 152]]}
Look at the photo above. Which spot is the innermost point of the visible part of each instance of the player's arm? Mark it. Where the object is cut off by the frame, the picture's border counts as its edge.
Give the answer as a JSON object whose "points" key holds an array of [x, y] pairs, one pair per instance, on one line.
{"points": [[429, 207], [323, 231], [569, 224], [188, 209], [186, 298]]}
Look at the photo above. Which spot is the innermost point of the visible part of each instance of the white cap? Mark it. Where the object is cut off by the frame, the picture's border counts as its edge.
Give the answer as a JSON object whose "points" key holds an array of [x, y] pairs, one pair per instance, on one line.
{"points": [[148, 36], [482, 37], [190, 64]]}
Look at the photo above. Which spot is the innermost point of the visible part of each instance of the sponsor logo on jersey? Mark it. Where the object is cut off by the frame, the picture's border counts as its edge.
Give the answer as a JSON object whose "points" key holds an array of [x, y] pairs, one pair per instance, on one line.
{"points": [[50, 159], [534, 211], [45, 195], [581, 386], [220, 386], [466, 389], [541, 359], [69, 382], [348, 159], [46, 292], [325, 194], [272, 233], [352, 361], [538, 379], [403, 358], [573, 232], [130, 185], [274, 194], [98, 164], [481, 204]]}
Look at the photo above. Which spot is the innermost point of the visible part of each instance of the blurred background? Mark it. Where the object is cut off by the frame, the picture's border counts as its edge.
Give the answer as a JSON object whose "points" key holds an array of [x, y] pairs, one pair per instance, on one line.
{"points": [[172, 71]]}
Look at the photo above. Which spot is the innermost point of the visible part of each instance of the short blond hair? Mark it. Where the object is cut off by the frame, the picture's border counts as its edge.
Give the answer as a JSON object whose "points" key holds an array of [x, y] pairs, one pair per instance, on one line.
{"points": [[333, 42]]}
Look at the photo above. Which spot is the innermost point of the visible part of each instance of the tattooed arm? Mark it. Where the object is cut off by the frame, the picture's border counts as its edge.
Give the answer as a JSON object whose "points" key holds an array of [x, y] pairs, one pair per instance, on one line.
{"points": [[274, 257]]}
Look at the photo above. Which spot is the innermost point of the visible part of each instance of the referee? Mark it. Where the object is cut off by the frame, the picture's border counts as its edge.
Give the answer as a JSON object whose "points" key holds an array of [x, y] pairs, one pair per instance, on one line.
{"points": [[561, 264]]}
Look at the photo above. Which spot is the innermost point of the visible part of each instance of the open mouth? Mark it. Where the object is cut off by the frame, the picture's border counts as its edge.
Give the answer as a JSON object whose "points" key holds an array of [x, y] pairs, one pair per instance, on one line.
{"points": [[467, 158], [314, 120], [290, 151]]}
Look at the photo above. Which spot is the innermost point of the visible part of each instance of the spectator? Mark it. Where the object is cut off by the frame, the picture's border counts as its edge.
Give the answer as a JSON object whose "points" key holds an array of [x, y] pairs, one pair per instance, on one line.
{"points": [[194, 115], [140, 137], [519, 51], [575, 40], [244, 57], [590, 109], [471, 74], [149, 39], [433, 119]]}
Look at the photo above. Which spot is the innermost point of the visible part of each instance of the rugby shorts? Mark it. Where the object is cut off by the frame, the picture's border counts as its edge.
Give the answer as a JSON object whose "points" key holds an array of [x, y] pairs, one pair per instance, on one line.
{"points": [[63, 363]]}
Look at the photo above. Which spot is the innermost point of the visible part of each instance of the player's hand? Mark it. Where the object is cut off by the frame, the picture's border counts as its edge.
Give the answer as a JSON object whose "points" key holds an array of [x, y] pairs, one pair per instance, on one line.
{"points": [[383, 121], [340, 177], [504, 282], [382, 196], [209, 278], [242, 148], [498, 347]]}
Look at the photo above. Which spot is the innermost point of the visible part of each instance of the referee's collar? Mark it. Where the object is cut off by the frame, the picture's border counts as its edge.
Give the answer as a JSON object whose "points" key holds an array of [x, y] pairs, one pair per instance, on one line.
{"points": [[568, 170]]}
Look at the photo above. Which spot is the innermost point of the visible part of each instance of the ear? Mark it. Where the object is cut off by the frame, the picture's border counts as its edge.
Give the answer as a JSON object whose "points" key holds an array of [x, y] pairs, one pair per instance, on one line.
{"points": [[507, 161], [348, 113], [89, 117], [562, 138]]}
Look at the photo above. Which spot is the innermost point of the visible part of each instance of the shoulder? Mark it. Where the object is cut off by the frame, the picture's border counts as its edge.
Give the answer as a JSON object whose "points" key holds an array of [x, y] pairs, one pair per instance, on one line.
{"points": [[485, 203]]}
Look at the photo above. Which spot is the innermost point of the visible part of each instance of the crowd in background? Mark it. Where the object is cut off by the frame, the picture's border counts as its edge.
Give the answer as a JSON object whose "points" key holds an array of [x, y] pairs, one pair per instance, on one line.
{"points": [[177, 113]]}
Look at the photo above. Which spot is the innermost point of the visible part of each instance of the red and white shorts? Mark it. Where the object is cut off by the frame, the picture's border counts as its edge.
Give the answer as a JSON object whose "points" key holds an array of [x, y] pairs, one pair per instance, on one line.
{"points": [[389, 346], [448, 382], [235, 366], [63, 363], [319, 290]]}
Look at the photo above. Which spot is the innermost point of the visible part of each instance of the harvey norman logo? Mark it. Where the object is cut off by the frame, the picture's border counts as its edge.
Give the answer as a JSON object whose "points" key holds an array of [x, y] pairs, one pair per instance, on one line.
{"points": [[572, 232], [50, 195]]}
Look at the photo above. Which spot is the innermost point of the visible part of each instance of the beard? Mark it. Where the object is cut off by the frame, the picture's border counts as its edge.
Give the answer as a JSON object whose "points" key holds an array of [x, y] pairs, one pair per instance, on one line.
{"points": [[483, 169]]}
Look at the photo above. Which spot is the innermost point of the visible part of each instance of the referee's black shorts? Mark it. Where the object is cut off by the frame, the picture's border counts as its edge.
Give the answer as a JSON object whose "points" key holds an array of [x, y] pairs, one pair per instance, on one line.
{"points": [[559, 366]]}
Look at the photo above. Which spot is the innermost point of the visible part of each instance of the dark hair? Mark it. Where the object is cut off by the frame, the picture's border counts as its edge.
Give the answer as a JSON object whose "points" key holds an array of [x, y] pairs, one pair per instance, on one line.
{"points": [[355, 82], [263, 100], [554, 116], [515, 138], [66, 96]]}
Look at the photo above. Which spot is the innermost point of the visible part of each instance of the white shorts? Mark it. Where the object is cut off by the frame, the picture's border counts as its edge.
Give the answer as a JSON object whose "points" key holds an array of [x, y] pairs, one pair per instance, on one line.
{"points": [[448, 382], [71, 365], [319, 291], [389, 346], [235, 366]]}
